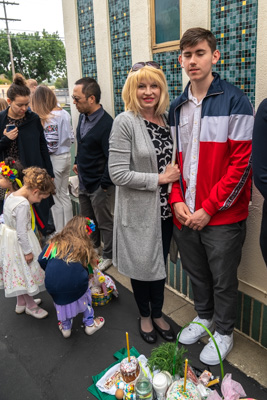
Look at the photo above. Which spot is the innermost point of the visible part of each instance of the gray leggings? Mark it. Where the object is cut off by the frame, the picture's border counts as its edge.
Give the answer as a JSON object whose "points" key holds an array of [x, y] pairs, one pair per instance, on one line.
{"points": [[211, 258]]}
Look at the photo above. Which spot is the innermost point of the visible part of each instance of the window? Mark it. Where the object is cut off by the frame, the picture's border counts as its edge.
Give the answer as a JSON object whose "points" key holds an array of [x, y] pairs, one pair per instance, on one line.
{"points": [[165, 18]]}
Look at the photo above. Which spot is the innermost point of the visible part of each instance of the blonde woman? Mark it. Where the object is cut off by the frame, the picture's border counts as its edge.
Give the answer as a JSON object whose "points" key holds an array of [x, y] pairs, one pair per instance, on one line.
{"points": [[59, 137], [140, 167]]}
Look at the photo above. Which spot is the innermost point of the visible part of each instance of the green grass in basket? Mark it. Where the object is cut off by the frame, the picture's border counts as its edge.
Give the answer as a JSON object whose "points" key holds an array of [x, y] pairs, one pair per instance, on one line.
{"points": [[162, 358]]}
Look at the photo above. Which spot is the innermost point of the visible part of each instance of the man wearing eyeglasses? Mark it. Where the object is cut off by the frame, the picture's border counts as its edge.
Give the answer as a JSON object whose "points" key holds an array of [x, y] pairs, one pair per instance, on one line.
{"points": [[96, 191]]}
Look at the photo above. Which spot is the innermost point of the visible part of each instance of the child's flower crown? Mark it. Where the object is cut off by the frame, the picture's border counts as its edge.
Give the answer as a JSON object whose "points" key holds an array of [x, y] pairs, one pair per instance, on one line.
{"points": [[7, 172], [90, 226]]}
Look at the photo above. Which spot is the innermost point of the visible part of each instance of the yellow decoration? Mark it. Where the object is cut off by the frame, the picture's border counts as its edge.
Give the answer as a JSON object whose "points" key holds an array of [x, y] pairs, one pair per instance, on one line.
{"points": [[222, 35], [243, 59], [243, 31], [244, 3], [222, 8], [82, 11], [114, 17], [222, 61], [125, 33], [242, 87]]}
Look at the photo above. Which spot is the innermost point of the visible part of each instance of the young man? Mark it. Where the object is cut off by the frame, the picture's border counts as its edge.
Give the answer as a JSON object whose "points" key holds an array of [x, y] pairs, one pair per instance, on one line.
{"points": [[96, 191], [213, 123]]}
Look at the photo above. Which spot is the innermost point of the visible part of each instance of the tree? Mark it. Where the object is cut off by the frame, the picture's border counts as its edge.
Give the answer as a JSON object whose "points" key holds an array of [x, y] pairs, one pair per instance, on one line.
{"points": [[61, 83], [35, 56]]}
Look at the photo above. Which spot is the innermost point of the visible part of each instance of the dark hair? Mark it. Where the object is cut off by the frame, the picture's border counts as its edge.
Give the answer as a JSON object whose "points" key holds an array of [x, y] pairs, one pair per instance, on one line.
{"points": [[90, 87], [193, 36], [18, 88]]}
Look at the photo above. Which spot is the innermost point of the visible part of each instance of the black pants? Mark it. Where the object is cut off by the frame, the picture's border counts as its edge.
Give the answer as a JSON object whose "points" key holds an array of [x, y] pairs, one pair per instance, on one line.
{"points": [[97, 206], [211, 258], [149, 295]]}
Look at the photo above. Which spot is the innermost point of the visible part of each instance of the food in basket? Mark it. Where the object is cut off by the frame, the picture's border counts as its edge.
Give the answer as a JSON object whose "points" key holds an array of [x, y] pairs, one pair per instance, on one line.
{"points": [[176, 391], [129, 369], [112, 380]]}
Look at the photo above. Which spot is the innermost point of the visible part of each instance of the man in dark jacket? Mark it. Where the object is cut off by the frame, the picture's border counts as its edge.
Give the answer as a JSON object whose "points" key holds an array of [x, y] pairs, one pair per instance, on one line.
{"points": [[96, 191]]}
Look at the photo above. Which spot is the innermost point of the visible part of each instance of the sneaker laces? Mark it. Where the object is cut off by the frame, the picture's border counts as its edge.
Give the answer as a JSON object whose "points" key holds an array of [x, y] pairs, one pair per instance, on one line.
{"points": [[196, 327], [219, 339]]}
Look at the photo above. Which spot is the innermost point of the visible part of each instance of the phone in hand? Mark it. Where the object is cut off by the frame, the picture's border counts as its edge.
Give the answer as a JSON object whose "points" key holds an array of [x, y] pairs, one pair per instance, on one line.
{"points": [[10, 127]]}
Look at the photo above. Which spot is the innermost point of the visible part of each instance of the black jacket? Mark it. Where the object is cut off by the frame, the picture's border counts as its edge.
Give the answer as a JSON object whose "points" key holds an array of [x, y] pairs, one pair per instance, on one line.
{"points": [[31, 142], [92, 154]]}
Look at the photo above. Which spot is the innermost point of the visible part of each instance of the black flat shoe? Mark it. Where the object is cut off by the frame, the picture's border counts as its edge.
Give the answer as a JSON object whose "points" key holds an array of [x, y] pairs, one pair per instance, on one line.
{"points": [[149, 337], [168, 335]]}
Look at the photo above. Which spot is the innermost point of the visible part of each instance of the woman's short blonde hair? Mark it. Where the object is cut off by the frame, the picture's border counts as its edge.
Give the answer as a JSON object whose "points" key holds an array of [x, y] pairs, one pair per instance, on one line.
{"points": [[150, 74]]}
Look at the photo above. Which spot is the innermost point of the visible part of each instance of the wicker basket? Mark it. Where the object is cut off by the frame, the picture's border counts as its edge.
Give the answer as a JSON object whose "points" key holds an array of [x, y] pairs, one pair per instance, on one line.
{"points": [[101, 299]]}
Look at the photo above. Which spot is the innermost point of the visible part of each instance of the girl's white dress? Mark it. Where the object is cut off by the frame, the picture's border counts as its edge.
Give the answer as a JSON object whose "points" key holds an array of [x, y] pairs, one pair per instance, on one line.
{"points": [[16, 276]]}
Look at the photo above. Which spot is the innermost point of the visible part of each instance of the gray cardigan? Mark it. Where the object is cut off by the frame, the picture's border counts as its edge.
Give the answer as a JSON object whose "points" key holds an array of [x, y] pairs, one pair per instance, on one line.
{"points": [[137, 238]]}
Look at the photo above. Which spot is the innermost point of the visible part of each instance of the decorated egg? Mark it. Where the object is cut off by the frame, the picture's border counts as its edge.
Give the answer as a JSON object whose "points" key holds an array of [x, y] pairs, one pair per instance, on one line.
{"points": [[129, 388], [119, 384], [119, 394]]}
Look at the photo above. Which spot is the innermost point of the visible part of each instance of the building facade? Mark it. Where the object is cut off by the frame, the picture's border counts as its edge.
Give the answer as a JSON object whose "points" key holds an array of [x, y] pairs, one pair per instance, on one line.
{"points": [[104, 38]]}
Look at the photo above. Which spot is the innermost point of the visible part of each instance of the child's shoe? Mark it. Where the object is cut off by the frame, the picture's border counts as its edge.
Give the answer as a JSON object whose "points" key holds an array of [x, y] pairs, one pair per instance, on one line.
{"points": [[89, 330], [21, 309], [36, 312], [65, 332]]}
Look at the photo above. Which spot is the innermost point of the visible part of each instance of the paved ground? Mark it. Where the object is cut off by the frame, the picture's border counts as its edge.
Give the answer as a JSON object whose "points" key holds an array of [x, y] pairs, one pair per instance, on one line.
{"points": [[36, 362]]}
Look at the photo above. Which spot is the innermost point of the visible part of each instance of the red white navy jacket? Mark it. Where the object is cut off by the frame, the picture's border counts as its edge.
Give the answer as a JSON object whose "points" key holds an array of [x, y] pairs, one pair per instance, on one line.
{"points": [[223, 185]]}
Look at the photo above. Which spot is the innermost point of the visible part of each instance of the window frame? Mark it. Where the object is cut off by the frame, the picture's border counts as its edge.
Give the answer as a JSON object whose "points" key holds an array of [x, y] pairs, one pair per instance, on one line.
{"points": [[166, 46]]}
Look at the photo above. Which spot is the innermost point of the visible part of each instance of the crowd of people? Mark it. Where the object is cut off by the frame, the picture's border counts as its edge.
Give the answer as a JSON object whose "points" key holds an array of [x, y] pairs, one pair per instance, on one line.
{"points": [[183, 173]]}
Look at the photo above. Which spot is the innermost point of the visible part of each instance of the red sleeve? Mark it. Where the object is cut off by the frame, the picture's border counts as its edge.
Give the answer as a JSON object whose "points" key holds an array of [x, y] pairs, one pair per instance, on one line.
{"points": [[228, 189]]}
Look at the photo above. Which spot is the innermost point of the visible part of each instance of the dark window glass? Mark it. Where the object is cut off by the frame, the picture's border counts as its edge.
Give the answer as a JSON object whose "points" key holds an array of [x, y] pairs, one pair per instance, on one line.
{"points": [[167, 20]]}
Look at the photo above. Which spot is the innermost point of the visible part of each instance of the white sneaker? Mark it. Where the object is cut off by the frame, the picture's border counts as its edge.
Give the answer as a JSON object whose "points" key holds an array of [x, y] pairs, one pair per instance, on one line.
{"points": [[193, 332], [209, 354], [104, 264]]}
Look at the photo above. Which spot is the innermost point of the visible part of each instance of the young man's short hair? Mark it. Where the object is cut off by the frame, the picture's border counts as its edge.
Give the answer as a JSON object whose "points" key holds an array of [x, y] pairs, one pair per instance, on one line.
{"points": [[90, 88], [193, 36]]}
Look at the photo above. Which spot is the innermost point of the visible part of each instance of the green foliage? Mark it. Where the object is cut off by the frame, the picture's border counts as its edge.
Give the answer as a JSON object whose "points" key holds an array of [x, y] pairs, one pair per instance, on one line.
{"points": [[61, 83], [36, 56], [4, 81], [162, 358]]}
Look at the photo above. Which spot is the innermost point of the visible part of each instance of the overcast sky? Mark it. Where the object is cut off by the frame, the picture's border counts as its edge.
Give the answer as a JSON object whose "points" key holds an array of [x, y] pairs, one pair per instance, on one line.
{"points": [[35, 15]]}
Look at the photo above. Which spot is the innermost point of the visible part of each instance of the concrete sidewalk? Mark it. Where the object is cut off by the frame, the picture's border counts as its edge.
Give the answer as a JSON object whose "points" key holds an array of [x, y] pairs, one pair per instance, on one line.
{"points": [[246, 355], [38, 363]]}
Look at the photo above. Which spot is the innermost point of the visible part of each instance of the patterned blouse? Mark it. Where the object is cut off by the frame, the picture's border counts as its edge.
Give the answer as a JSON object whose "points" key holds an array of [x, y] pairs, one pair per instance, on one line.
{"points": [[13, 150], [162, 140]]}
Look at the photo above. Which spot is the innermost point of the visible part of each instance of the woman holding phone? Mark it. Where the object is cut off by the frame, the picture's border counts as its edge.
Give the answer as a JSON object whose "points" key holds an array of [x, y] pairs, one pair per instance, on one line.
{"points": [[22, 138]]}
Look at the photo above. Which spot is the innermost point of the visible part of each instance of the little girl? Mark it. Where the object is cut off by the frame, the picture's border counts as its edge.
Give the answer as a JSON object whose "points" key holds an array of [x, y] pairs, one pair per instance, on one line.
{"points": [[20, 272], [10, 178], [65, 261]]}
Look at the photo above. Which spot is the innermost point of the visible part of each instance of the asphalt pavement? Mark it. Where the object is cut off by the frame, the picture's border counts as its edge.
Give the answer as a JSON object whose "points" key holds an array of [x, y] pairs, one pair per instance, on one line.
{"points": [[37, 363]]}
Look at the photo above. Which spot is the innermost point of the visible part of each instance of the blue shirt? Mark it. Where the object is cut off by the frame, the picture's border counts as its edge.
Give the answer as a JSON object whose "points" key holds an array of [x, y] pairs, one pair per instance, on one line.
{"points": [[89, 121]]}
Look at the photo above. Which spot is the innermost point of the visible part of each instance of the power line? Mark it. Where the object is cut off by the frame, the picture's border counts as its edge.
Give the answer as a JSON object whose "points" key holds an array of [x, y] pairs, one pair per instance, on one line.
{"points": [[21, 37], [8, 35]]}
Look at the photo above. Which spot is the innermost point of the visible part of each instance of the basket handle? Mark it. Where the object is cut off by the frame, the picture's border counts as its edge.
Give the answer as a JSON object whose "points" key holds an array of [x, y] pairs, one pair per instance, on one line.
{"points": [[210, 334]]}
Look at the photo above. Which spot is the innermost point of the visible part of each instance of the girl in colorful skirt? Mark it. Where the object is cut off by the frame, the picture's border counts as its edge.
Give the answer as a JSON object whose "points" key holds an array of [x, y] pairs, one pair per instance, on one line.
{"points": [[20, 272], [65, 260]]}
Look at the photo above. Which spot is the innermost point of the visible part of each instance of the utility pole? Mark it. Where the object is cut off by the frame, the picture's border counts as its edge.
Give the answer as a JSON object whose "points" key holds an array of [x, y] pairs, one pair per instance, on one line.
{"points": [[8, 34]]}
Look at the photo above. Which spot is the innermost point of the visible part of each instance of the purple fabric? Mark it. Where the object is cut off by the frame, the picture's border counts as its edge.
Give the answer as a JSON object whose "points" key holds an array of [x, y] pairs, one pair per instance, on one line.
{"points": [[82, 305]]}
